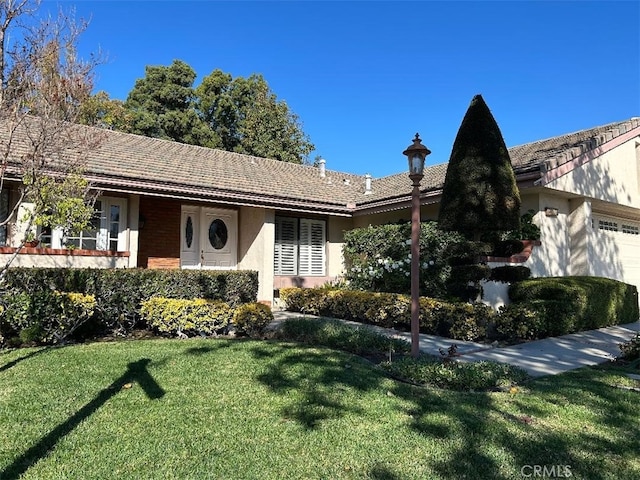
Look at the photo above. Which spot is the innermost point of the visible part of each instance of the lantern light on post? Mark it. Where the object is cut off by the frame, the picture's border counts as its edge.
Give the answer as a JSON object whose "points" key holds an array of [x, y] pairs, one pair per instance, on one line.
{"points": [[416, 153]]}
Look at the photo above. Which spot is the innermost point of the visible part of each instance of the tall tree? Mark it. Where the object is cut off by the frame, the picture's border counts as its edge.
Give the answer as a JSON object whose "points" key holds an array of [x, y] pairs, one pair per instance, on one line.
{"points": [[102, 111], [248, 118], [42, 149], [162, 106], [480, 194]]}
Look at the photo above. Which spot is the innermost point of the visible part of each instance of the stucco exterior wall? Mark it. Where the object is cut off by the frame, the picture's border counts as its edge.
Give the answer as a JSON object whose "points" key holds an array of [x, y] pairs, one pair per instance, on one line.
{"points": [[335, 241], [580, 240], [611, 177], [66, 261], [133, 230], [552, 257], [256, 227]]}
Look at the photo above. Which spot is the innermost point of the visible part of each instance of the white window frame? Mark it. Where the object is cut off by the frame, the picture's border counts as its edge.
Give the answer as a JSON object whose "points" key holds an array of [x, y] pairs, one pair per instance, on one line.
{"points": [[300, 247], [4, 213], [105, 241]]}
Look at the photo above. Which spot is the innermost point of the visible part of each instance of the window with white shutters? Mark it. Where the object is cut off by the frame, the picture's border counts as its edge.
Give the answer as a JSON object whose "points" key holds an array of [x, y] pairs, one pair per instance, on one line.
{"points": [[299, 247], [286, 252], [311, 247]]}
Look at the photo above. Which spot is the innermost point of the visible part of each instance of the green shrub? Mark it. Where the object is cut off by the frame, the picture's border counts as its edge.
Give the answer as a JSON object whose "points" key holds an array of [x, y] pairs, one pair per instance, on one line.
{"points": [[464, 274], [595, 302], [467, 252], [519, 321], [119, 292], [631, 350], [507, 248], [469, 321], [535, 319], [252, 318], [186, 317], [510, 273], [46, 316], [452, 375], [462, 321]]}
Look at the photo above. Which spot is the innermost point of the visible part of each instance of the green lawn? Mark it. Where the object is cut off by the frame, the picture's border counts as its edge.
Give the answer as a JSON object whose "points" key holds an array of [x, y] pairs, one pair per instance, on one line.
{"points": [[230, 409]]}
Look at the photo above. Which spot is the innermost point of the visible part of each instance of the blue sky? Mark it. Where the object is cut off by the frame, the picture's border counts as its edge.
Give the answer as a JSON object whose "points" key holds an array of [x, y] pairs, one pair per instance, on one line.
{"points": [[365, 76]]}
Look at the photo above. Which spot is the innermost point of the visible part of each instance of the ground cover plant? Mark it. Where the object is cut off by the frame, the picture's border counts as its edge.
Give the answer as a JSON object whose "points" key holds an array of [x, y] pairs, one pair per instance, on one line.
{"points": [[392, 356], [222, 408]]}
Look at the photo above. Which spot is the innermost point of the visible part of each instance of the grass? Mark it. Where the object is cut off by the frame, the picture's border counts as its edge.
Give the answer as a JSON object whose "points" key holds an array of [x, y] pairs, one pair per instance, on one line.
{"points": [[392, 356], [234, 409]]}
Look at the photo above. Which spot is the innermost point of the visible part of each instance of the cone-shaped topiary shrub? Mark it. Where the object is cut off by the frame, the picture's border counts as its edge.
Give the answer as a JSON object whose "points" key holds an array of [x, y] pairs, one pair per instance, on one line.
{"points": [[480, 193]]}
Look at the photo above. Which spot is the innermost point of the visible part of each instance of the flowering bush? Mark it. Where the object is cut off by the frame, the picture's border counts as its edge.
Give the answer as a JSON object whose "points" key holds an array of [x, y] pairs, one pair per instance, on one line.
{"points": [[379, 258]]}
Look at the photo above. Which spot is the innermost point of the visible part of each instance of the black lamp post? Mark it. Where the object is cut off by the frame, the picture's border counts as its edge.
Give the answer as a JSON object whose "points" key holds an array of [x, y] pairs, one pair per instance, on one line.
{"points": [[416, 154]]}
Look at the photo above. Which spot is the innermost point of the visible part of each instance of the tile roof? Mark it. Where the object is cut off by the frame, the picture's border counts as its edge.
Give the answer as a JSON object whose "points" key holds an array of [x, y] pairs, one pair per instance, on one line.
{"points": [[163, 164], [527, 158], [158, 166]]}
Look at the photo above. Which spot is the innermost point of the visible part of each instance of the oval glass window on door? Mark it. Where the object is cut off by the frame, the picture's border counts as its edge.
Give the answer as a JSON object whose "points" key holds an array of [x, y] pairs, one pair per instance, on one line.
{"points": [[188, 234], [218, 234]]}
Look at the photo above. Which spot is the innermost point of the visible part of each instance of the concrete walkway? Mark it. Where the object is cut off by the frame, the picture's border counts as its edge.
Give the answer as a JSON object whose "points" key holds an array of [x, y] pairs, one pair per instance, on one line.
{"points": [[549, 356]]}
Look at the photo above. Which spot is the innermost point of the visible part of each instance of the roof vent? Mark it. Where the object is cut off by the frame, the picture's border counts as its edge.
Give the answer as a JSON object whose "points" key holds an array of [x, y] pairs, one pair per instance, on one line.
{"points": [[367, 184], [321, 165], [346, 181]]}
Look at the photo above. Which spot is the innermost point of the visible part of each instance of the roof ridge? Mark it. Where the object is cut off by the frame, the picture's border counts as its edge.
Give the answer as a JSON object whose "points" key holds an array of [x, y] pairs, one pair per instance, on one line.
{"points": [[599, 138], [631, 120]]}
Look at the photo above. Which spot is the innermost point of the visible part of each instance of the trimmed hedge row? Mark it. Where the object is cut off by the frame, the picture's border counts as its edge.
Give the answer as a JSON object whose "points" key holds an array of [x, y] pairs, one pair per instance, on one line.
{"points": [[542, 307], [594, 302], [51, 317], [119, 293], [462, 321]]}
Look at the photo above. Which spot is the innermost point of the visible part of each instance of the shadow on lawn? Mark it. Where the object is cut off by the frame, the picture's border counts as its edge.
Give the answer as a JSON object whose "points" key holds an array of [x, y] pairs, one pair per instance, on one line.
{"points": [[489, 435], [525, 428], [319, 378], [136, 372], [13, 363]]}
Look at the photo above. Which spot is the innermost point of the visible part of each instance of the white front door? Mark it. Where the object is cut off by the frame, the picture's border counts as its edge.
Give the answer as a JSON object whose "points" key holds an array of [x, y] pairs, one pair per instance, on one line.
{"points": [[218, 238], [189, 237], [209, 238]]}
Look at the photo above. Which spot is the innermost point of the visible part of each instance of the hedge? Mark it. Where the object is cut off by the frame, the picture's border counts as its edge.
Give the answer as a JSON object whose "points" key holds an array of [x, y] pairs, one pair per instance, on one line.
{"points": [[119, 292], [542, 307], [592, 302], [462, 321], [44, 317], [184, 317]]}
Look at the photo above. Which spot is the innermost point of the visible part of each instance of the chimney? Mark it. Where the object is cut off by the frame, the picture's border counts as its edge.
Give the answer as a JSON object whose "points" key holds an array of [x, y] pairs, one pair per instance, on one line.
{"points": [[367, 184], [321, 164]]}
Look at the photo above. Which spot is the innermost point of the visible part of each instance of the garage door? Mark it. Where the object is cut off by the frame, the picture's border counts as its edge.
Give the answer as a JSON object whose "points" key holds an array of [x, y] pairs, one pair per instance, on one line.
{"points": [[616, 248]]}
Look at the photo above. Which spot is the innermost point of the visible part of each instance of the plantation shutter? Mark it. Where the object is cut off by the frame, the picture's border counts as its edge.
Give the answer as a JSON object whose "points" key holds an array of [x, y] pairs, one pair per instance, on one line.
{"points": [[312, 247], [286, 252]]}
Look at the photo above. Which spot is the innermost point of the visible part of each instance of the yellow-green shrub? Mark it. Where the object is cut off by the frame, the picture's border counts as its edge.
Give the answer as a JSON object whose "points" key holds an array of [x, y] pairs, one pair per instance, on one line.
{"points": [[252, 318], [186, 317], [47, 316], [461, 321]]}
